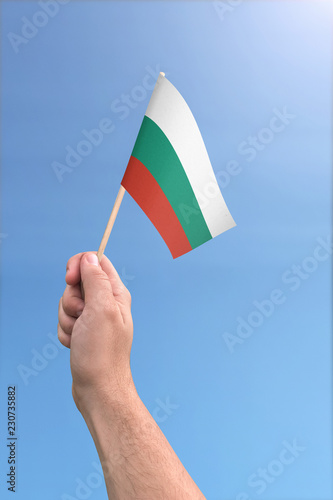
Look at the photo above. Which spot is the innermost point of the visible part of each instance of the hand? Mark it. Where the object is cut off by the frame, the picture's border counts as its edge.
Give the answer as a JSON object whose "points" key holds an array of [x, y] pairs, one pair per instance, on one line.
{"points": [[98, 330]]}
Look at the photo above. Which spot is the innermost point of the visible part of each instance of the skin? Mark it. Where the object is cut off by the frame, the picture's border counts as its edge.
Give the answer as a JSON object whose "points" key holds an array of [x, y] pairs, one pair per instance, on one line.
{"points": [[138, 462]]}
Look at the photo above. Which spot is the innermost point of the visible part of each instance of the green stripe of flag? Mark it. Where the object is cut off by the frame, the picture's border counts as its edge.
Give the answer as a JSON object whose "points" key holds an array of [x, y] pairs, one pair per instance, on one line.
{"points": [[155, 151]]}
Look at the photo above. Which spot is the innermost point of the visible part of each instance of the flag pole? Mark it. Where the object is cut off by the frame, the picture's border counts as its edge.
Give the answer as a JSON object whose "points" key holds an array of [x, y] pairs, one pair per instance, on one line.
{"points": [[110, 223]]}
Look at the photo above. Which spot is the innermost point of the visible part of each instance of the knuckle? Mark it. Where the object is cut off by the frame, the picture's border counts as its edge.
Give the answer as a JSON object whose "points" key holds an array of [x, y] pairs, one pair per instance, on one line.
{"points": [[62, 337], [101, 297], [60, 334], [67, 293], [88, 318], [67, 307], [70, 306], [110, 309], [108, 306], [66, 323]]}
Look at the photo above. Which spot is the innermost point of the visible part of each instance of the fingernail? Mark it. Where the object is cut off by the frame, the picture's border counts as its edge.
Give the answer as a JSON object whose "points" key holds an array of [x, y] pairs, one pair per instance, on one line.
{"points": [[92, 259]]}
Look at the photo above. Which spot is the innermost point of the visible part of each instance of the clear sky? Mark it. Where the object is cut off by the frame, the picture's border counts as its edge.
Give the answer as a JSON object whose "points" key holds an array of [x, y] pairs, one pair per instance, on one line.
{"points": [[232, 350]]}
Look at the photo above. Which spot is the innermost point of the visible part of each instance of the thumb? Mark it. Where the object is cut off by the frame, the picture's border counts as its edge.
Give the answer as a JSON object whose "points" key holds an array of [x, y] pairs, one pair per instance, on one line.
{"points": [[95, 281]]}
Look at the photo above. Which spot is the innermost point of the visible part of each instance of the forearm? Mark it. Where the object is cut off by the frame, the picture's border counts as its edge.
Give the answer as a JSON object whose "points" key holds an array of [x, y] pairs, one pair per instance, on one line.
{"points": [[137, 460]]}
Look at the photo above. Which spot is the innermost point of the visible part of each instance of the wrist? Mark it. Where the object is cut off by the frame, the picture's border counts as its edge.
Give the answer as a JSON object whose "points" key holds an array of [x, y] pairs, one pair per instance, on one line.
{"points": [[96, 399]]}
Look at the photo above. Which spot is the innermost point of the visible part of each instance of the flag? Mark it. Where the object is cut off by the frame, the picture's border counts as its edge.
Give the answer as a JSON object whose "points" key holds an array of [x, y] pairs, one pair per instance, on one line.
{"points": [[170, 176]]}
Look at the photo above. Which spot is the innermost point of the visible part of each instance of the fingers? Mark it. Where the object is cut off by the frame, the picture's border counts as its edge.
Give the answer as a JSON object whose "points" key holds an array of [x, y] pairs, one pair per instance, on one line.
{"points": [[66, 322], [96, 282], [118, 288], [73, 276], [70, 308], [63, 337], [102, 285], [72, 301], [114, 293]]}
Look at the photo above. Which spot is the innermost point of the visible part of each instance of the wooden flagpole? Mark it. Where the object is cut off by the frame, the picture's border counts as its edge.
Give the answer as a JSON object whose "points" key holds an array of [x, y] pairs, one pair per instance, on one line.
{"points": [[109, 227], [110, 223]]}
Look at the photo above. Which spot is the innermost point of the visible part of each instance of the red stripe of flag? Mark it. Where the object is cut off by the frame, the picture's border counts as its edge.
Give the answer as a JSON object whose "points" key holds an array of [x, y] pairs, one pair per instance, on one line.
{"points": [[145, 190]]}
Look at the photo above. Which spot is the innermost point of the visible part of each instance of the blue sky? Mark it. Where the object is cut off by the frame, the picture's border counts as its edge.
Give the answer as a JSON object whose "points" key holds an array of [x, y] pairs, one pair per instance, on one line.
{"points": [[237, 401]]}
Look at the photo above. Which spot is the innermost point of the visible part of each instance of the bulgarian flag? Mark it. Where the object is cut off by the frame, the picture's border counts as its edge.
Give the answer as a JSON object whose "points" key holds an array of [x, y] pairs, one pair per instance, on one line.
{"points": [[169, 174]]}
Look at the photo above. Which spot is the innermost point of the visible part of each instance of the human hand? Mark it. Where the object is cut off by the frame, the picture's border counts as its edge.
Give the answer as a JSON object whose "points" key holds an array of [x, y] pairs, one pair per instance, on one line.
{"points": [[98, 330]]}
